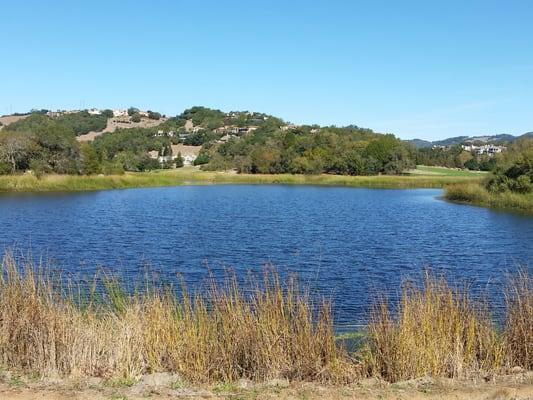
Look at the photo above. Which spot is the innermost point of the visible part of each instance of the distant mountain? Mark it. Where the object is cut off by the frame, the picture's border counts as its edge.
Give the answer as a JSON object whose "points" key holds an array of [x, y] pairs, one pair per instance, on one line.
{"points": [[450, 141], [420, 144], [492, 139]]}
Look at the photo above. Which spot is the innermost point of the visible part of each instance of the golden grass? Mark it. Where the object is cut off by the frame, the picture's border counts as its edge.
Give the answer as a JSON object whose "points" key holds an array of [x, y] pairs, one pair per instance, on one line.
{"points": [[476, 194], [438, 331], [269, 329], [189, 175], [270, 332], [519, 324]]}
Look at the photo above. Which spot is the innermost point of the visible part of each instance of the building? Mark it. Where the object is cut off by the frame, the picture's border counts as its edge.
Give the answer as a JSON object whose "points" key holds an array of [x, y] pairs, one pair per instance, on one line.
{"points": [[226, 138], [120, 113], [94, 111], [188, 154], [488, 149]]}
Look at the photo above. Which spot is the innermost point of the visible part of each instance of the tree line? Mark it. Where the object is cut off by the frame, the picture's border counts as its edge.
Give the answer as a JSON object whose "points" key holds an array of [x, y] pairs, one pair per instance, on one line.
{"points": [[43, 145]]}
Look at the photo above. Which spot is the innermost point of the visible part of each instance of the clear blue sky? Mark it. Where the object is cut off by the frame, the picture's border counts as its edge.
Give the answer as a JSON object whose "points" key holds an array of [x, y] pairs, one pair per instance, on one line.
{"points": [[422, 69]]}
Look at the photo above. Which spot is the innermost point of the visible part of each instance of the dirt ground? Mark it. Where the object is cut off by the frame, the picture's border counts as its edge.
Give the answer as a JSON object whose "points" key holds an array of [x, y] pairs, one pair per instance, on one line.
{"points": [[120, 122], [516, 387], [9, 119]]}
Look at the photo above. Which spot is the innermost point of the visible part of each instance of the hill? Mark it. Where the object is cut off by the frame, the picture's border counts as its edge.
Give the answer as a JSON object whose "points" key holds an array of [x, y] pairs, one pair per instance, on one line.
{"points": [[457, 140]]}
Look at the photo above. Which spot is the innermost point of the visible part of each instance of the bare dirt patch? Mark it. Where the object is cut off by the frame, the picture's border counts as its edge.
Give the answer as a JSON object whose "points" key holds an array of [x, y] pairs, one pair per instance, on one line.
{"points": [[9, 119], [121, 123], [516, 387]]}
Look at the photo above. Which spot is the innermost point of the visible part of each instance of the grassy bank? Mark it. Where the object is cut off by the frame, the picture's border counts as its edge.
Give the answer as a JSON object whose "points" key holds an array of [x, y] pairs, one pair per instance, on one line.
{"points": [[29, 183], [270, 329], [475, 194]]}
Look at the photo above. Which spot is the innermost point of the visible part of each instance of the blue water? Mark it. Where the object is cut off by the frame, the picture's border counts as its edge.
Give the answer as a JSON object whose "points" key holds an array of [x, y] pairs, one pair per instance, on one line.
{"points": [[344, 242]]}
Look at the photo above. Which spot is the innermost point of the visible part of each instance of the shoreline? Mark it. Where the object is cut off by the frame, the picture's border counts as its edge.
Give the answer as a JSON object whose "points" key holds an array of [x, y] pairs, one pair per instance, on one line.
{"points": [[474, 194], [193, 176]]}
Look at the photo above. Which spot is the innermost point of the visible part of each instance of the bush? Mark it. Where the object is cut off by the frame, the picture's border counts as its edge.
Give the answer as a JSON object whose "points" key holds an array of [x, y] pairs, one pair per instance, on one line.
{"points": [[154, 115], [136, 117], [5, 168], [39, 167], [202, 158]]}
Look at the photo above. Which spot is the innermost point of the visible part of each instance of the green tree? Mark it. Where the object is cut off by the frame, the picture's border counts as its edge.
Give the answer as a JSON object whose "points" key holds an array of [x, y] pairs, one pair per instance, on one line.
{"points": [[179, 160], [108, 113], [154, 115], [89, 162]]}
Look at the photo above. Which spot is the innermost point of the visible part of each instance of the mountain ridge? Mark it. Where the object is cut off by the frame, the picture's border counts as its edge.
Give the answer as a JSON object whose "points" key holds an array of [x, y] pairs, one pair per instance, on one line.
{"points": [[456, 140]]}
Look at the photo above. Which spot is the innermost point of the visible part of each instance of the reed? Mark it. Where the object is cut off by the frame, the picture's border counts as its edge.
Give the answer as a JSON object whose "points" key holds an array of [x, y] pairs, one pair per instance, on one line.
{"points": [[30, 183], [272, 331], [436, 331], [265, 329], [519, 323], [476, 194]]}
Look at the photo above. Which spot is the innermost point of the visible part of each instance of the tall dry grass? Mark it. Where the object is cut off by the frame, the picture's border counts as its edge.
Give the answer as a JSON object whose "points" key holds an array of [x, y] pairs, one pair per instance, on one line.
{"points": [[270, 331], [519, 322], [437, 330]]}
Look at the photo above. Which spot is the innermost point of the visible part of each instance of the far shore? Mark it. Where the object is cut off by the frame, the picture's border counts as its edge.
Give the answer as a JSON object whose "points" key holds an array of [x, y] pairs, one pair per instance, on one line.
{"points": [[195, 176]]}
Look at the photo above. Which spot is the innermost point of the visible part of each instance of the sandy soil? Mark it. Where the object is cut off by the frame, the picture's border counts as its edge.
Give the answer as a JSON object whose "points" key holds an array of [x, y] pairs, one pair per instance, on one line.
{"points": [[518, 387], [120, 122]]}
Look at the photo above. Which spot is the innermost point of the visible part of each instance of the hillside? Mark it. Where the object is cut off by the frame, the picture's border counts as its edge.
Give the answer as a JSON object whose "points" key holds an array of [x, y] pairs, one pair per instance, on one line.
{"points": [[113, 141], [488, 139]]}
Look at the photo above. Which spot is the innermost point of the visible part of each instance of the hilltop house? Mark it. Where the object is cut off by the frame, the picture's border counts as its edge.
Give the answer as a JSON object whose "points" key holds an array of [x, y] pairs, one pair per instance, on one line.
{"points": [[488, 149], [120, 113], [226, 138], [188, 154]]}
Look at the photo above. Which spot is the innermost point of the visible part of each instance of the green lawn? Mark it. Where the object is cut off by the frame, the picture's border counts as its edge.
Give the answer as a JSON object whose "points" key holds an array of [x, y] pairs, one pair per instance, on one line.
{"points": [[443, 171]]}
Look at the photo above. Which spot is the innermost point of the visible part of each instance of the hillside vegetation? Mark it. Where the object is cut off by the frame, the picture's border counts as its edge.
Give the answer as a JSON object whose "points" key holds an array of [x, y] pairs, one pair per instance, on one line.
{"points": [[509, 186], [252, 143]]}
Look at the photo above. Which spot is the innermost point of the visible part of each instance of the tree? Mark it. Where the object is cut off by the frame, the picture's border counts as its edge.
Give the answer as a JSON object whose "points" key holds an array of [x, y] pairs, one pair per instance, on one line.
{"points": [[136, 117], [472, 164], [15, 150], [89, 162], [353, 163], [132, 111], [203, 158], [154, 115], [179, 160], [108, 113]]}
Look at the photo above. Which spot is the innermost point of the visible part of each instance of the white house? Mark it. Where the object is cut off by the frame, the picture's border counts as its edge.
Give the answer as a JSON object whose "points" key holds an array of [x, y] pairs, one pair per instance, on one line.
{"points": [[120, 113], [188, 154]]}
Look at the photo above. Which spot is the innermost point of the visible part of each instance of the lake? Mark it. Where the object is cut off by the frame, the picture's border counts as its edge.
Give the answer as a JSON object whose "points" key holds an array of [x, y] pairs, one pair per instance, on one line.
{"points": [[346, 243]]}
